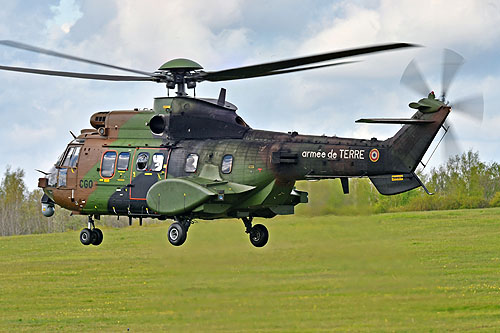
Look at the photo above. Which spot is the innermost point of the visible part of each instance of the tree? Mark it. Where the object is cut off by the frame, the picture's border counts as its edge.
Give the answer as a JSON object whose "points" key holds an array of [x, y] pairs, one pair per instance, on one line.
{"points": [[12, 197]]}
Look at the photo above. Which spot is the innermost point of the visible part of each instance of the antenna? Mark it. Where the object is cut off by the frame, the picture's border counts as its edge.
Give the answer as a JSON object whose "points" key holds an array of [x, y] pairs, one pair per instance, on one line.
{"points": [[222, 97]]}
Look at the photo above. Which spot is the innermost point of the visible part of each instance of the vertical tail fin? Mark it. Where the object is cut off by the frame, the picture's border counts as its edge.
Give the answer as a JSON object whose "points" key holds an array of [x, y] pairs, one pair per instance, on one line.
{"points": [[410, 143], [408, 146]]}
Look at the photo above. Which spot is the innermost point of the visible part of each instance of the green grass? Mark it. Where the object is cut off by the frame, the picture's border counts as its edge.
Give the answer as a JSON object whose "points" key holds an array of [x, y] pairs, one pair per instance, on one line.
{"points": [[428, 271]]}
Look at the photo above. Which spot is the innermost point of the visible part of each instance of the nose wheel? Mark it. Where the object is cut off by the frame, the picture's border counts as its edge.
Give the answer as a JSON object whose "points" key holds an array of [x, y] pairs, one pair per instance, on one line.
{"points": [[91, 234], [258, 233]]}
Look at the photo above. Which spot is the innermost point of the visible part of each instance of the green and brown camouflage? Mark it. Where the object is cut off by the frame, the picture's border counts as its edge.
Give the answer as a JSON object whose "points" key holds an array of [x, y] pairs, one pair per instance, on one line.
{"points": [[213, 165]]}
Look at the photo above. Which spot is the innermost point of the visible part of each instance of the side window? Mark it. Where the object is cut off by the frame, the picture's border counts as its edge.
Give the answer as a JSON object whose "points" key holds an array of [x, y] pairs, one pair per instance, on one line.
{"points": [[227, 164], [191, 163], [123, 160], [157, 163], [142, 161], [108, 164]]}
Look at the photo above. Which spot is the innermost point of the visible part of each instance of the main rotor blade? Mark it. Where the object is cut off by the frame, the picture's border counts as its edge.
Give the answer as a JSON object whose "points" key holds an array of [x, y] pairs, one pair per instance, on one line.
{"points": [[412, 78], [66, 56], [265, 68], [285, 71], [472, 107], [79, 75], [452, 62]]}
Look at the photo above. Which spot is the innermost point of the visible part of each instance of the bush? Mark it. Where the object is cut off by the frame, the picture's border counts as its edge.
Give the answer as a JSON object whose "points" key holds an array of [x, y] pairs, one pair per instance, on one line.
{"points": [[495, 201]]}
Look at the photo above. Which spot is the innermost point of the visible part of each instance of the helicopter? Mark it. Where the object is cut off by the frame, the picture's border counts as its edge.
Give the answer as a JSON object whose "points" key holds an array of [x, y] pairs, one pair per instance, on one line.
{"points": [[195, 158]]}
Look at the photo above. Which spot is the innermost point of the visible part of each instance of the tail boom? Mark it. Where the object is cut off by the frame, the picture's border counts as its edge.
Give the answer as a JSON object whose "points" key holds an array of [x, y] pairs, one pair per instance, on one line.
{"points": [[390, 164]]}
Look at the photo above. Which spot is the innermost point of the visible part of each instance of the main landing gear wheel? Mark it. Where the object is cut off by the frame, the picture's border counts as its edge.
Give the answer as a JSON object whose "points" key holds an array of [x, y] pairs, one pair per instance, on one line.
{"points": [[91, 234], [98, 236], [258, 233], [86, 236], [177, 234]]}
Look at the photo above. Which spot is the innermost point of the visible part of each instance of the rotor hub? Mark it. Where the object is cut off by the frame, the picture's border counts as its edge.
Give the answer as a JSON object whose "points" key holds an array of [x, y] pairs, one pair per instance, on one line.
{"points": [[180, 64], [179, 73]]}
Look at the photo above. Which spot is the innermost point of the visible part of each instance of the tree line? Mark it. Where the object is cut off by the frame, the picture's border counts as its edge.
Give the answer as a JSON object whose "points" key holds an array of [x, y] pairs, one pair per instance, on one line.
{"points": [[464, 181]]}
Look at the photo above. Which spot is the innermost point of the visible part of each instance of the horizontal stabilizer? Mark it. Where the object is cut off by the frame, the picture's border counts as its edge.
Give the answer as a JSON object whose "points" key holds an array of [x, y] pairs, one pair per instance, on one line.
{"points": [[395, 121]]}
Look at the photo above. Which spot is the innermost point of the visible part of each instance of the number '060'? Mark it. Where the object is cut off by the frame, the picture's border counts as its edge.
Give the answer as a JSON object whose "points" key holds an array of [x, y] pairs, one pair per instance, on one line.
{"points": [[86, 183]]}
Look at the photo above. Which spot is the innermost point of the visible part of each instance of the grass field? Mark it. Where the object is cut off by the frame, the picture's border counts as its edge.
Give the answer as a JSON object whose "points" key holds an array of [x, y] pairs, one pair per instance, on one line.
{"points": [[428, 271]]}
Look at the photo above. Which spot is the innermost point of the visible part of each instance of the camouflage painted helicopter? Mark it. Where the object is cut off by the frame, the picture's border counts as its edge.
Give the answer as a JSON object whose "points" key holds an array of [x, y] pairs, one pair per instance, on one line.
{"points": [[193, 158]]}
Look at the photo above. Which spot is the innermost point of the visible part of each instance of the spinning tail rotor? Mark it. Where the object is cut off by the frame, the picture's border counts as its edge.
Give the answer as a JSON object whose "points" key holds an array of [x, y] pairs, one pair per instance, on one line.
{"points": [[471, 107]]}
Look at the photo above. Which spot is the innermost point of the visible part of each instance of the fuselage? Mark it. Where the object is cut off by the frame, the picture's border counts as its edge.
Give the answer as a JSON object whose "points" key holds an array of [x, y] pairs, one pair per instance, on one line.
{"points": [[235, 171]]}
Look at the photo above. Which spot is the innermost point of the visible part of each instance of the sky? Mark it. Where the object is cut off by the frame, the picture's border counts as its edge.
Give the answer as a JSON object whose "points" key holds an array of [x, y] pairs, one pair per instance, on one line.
{"points": [[39, 111]]}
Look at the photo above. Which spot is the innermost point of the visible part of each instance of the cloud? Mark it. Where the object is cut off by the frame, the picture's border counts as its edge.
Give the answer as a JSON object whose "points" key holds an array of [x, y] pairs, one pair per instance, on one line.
{"points": [[148, 33], [430, 22], [65, 16]]}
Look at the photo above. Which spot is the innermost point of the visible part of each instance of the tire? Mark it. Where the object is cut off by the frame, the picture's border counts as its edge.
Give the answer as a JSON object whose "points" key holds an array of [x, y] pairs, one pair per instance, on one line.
{"points": [[98, 236], [176, 234], [259, 235], [86, 236]]}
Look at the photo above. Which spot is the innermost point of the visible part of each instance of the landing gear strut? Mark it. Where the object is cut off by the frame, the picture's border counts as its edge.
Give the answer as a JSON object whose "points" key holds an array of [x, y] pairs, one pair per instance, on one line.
{"points": [[91, 234], [177, 232], [258, 233], [130, 220]]}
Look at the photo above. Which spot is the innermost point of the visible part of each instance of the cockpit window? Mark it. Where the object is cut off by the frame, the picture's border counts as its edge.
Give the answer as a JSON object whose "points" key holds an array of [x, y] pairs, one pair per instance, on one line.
{"points": [[71, 157], [123, 160], [68, 156], [74, 157], [142, 161], [108, 164], [59, 159], [191, 163], [62, 177], [157, 163], [227, 164]]}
